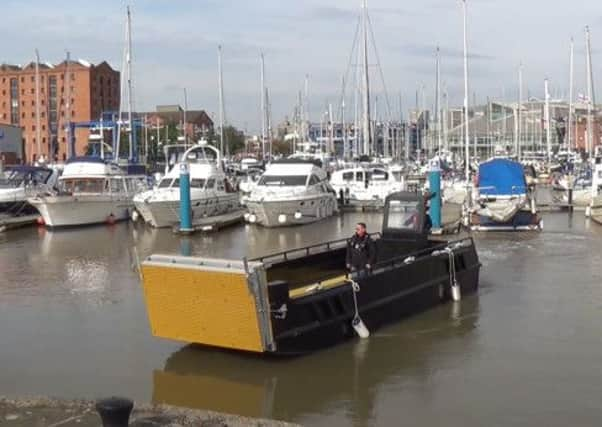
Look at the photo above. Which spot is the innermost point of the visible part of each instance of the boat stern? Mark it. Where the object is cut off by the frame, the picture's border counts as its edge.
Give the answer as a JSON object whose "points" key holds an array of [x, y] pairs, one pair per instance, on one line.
{"points": [[220, 303]]}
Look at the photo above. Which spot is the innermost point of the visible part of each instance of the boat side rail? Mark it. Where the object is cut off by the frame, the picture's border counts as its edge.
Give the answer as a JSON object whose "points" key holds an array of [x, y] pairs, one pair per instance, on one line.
{"points": [[306, 251], [413, 256]]}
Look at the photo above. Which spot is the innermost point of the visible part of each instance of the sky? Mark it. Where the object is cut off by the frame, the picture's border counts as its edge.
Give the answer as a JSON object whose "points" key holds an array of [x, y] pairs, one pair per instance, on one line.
{"points": [[175, 47]]}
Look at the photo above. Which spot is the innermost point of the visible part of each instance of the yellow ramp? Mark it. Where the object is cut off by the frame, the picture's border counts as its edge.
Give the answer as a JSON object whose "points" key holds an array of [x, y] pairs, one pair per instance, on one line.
{"points": [[200, 304]]}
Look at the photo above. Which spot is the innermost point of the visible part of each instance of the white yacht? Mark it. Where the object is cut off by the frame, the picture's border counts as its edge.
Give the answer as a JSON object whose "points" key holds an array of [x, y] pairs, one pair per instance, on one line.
{"points": [[291, 192], [18, 183], [365, 187], [211, 194], [90, 191]]}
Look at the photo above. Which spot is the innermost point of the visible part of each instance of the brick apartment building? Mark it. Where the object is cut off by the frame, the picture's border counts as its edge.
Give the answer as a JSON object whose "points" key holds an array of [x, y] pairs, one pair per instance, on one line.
{"points": [[76, 91]]}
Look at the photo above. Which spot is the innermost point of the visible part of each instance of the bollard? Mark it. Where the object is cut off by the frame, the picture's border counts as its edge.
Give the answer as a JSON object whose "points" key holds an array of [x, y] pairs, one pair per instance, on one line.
{"points": [[435, 189], [114, 411], [571, 199], [185, 215]]}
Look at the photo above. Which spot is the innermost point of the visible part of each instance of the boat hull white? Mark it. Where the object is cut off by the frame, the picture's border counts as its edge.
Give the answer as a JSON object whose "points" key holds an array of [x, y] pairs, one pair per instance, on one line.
{"points": [[281, 213], [67, 211], [166, 213]]}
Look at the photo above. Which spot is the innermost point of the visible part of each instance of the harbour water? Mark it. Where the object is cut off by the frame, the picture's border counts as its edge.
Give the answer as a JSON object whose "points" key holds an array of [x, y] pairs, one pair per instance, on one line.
{"points": [[525, 351]]}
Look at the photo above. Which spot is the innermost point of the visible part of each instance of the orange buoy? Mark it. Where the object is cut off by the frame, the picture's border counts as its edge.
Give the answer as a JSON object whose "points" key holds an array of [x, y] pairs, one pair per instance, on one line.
{"points": [[40, 221]]}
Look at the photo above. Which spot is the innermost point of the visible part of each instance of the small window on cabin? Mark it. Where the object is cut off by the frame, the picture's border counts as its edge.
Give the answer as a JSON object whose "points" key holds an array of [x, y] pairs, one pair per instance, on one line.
{"points": [[165, 183], [404, 215], [211, 184], [348, 176], [175, 183], [116, 185], [197, 183], [359, 176], [314, 180], [221, 186]]}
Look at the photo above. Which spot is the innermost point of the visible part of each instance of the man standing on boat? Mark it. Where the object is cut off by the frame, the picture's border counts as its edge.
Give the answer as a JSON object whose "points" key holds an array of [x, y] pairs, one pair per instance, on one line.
{"points": [[361, 251]]}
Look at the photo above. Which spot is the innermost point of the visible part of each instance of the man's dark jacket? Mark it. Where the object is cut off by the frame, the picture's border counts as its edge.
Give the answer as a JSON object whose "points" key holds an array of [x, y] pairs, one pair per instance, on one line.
{"points": [[361, 251]]}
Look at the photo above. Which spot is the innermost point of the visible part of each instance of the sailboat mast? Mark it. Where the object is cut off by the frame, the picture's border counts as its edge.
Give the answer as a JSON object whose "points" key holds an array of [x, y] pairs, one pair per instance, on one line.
{"points": [[591, 101], [129, 77], [365, 81], [38, 130], [438, 103], [222, 144], [548, 122], [184, 117], [466, 128], [344, 129], [263, 108], [519, 114], [571, 77]]}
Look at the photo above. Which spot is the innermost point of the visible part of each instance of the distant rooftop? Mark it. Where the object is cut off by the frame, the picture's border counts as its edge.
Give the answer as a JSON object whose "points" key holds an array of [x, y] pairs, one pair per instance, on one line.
{"points": [[48, 65]]}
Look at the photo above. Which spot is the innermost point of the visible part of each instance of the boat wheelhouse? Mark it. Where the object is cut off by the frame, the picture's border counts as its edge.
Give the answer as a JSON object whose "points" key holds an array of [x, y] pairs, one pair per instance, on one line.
{"points": [[365, 187]]}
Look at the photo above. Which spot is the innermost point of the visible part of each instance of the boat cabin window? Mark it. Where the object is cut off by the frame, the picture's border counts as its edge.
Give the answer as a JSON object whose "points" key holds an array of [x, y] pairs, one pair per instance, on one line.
{"points": [[165, 183], [135, 185], [276, 181], [211, 184], [116, 185], [82, 185], [229, 187], [175, 183], [220, 186], [380, 175], [16, 178], [314, 180], [348, 176], [404, 215], [359, 176], [197, 183]]}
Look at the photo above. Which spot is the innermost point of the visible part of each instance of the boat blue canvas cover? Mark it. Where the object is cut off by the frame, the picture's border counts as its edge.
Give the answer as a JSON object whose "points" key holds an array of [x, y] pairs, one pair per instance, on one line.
{"points": [[502, 177]]}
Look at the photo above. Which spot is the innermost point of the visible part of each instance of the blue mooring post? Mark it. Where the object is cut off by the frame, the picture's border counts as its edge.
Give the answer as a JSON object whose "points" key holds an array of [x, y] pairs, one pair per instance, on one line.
{"points": [[185, 216], [435, 188]]}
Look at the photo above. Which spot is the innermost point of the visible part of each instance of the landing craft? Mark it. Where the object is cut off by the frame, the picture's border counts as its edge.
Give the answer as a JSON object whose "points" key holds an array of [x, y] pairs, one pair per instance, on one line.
{"points": [[303, 300]]}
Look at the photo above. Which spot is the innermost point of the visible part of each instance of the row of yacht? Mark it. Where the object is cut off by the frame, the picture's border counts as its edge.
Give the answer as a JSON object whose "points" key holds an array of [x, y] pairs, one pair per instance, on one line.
{"points": [[285, 192]]}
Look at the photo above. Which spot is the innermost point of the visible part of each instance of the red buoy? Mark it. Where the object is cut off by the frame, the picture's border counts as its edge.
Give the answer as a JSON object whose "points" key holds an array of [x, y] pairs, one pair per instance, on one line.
{"points": [[40, 221], [111, 220]]}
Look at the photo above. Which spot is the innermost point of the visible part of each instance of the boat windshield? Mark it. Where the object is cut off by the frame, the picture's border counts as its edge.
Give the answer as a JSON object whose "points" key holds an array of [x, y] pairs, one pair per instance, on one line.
{"points": [[83, 185], [16, 178], [165, 182], [404, 215], [282, 181]]}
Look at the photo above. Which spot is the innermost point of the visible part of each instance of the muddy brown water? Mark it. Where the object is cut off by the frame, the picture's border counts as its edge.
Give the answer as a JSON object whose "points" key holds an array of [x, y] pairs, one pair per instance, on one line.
{"points": [[525, 351]]}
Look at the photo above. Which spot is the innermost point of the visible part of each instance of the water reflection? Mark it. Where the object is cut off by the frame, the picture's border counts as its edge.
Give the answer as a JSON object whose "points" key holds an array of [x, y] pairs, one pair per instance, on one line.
{"points": [[352, 375]]}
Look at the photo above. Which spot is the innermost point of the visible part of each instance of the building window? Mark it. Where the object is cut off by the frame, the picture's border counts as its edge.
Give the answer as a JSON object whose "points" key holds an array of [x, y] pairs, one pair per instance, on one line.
{"points": [[33, 79], [33, 127], [33, 103], [22, 79]]}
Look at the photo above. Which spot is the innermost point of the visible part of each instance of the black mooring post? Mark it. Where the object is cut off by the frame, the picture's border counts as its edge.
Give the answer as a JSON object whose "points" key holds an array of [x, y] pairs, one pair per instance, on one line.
{"points": [[115, 411], [571, 198]]}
